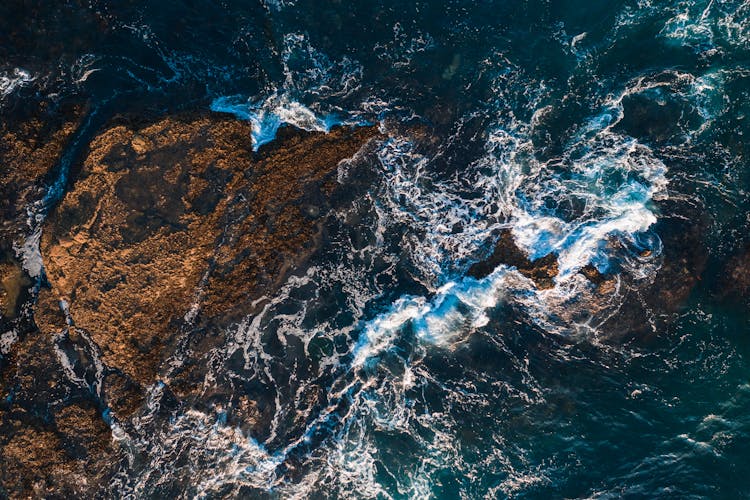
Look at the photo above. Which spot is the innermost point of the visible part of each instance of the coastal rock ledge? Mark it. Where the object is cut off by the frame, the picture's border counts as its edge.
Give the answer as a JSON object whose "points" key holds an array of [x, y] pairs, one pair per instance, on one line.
{"points": [[170, 229]]}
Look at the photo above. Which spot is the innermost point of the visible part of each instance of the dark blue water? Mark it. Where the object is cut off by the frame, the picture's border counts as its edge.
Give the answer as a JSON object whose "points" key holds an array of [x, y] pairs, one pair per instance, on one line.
{"points": [[600, 132]]}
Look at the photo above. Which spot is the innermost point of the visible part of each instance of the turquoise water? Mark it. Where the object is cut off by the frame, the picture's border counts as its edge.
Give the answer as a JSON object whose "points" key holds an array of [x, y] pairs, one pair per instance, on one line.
{"points": [[609, 134]]}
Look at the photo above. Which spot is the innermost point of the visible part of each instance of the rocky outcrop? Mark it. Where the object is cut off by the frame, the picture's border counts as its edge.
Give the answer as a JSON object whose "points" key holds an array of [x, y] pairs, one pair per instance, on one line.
{"points": [[681, 228], [541, 271], [650, 303], [31, 144], [620, 305], [53, 439], [33, 446], [171, 222], [171, 228]]}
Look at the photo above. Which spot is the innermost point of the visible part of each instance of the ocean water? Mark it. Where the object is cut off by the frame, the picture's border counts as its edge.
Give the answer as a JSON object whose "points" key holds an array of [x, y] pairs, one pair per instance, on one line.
{"points": [[386, 370]]}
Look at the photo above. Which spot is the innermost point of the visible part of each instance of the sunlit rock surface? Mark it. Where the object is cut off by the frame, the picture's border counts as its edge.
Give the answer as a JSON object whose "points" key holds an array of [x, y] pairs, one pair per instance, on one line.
{"points": [[168, 227]]}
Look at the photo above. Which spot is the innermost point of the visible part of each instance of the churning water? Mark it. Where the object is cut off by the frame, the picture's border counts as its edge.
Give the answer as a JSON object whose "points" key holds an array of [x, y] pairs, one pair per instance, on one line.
{"points": [[383, 369]]}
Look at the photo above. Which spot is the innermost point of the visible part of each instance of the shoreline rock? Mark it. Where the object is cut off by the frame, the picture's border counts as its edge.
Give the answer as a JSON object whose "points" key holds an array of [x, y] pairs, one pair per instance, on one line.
{"points": [[167, 224], [623, 306], [170, 222]]}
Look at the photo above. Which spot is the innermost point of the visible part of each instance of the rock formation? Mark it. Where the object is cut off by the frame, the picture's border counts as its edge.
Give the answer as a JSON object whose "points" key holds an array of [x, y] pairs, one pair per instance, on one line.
{"points": [[172, 230], [166, 224], [181, 213], [541, 271], [734, 287], [618, 304]]}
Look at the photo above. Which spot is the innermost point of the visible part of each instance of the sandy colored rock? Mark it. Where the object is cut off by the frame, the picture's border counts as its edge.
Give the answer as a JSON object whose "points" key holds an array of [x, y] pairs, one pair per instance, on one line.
{"points": [[53, 439], [649, 304], [63, 459], [171, 227], [179, 221], [12, 283], [34, 462], [617, 304], [30, 147]]}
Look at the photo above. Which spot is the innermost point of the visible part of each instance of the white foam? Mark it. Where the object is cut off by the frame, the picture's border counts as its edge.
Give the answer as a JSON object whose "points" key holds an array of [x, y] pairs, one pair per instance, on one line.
{"points": [[616, 178], [380, 333], [9, 82], [309, 76], [401, 50], [7, 339], [278, 5], [708, 27], [31, 255], [689, 29], [268, 115], [459, 308], [456, 309]]}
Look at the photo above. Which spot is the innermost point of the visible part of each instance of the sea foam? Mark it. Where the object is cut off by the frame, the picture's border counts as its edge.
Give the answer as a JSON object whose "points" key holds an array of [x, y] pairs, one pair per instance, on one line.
{"points": [[268, 115]]}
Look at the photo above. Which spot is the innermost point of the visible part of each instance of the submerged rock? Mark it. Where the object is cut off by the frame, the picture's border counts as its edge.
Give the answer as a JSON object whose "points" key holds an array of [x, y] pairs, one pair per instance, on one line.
{"points": [[621, 304], [650, 303], [734, 287]]}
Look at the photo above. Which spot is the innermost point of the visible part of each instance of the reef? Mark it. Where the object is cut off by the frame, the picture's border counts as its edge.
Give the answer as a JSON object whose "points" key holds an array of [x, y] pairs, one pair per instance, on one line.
{"points": [[649, 303], [31, 145], [171, 229], [171, 225]]}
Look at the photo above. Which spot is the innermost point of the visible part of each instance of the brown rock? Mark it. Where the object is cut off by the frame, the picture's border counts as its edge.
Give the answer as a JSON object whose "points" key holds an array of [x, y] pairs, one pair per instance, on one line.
{"points": [[605, 284], [735, 284], [180, 217], [681, 228], [30, 146], [67, 459], [83, 432], [171, 226], [648, 305], [34, 463], [53, 441], [541, 271], [12, 283], [34, 458]]}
